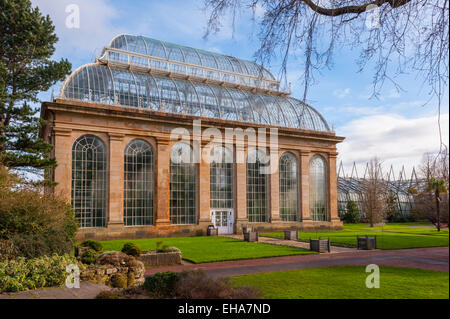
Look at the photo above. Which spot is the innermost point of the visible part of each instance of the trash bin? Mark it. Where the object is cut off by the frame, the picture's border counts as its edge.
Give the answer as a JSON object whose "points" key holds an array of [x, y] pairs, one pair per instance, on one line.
{"points": [[251, 236], [291, 235], [366, 242], [211, 231], [320, 245]]}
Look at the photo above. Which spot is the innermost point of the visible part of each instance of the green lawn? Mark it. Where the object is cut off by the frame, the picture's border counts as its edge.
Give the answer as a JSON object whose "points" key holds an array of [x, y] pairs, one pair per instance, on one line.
{"points": [[208, 249], [390, 236], [348, 282]]}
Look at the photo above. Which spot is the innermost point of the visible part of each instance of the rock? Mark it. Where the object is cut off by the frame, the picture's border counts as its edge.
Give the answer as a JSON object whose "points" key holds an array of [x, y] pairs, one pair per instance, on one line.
{"points": [[116, 258], [117, 265], [111, 271], [81, 250]]}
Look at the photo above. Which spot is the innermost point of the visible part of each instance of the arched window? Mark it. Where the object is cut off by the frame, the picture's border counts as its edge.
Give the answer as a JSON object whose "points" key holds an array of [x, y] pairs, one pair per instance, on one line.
{"points": [[318, 188], [89, 169], [183, 185], [221, 178], [256, 187], [288, 187], [138, 184]]}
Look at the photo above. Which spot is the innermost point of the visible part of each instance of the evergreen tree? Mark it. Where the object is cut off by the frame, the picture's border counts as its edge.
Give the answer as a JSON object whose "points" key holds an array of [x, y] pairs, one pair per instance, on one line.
{"points": [[27, 42], [352, 213]]}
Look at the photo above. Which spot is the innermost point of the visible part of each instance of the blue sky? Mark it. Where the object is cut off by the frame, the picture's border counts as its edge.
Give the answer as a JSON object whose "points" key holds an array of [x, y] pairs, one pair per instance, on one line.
{"points": [[398, 127]]}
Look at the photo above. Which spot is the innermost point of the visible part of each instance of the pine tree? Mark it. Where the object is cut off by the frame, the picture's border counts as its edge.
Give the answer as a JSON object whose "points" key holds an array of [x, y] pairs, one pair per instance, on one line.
{"points": [[27, 42]]}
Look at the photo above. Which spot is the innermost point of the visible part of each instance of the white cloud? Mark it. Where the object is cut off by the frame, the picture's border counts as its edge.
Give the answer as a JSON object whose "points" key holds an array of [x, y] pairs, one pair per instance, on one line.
{"points": [[394, 94], [341, 93], [96, 26], [393, 138]]}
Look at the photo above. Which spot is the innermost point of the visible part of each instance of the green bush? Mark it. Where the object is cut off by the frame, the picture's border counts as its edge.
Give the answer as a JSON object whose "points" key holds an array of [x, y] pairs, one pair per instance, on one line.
{"points": [[21, 274], [95, 245], [89, 257], [162, 284], [118, 280], [37, 223], [7, 250], [132, 249], [351, 214]]}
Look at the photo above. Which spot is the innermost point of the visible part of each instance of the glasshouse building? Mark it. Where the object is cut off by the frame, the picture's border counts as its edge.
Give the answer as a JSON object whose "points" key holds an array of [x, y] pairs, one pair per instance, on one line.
{"points": [[157, 139]]}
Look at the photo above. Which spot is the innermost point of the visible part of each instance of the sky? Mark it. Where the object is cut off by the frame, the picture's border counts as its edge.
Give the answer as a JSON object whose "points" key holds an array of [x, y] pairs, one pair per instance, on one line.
{"points": [[398, 127]]}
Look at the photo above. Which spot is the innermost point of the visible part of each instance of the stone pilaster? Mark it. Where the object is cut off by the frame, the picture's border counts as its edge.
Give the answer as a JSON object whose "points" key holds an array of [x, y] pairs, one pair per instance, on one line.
{"points": [[162, 182], [332, 188], [63, 156], [241, 192], [304, 184], [275, 196], [204, 192], [116, 170]]}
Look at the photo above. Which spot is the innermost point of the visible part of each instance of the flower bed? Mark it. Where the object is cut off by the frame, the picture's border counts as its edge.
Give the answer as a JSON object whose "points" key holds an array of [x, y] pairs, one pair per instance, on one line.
{"points": [[161, 258]]}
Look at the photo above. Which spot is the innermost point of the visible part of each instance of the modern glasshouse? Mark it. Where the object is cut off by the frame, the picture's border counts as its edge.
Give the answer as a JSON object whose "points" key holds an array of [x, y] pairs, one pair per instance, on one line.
{"points": [[159, 139], [351, 188]]}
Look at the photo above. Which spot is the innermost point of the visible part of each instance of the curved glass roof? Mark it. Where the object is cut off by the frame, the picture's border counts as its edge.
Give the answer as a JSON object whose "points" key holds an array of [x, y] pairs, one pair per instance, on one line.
{"points": [[98, 83], [175, 52]]}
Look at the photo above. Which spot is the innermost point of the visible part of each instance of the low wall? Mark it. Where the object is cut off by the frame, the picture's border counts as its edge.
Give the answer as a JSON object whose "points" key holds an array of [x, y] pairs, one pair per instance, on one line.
{"points": [[154, 259]]}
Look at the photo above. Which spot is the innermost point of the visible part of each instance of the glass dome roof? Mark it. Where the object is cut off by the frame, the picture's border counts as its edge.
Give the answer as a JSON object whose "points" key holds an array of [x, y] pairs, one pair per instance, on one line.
{"points": [[99, 83], [175, 52]]}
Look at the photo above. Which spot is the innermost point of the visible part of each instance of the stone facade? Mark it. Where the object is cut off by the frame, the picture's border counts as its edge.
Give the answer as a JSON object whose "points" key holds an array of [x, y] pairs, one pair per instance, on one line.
{"points": [[117, 126]]}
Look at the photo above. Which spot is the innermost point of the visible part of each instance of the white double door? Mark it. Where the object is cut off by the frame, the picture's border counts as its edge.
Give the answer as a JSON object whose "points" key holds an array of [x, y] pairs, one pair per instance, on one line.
{"points": [[222, 220]]}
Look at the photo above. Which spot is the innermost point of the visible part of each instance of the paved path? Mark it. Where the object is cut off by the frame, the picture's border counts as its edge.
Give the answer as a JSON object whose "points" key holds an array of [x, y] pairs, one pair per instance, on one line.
{"points": [[426, 258], [292, 243], [87, 290]]}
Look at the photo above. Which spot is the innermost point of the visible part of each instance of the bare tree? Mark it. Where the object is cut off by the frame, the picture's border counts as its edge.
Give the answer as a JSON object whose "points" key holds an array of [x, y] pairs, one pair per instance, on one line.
{"points": [[397, 36], [432, 200], [375, 193]]}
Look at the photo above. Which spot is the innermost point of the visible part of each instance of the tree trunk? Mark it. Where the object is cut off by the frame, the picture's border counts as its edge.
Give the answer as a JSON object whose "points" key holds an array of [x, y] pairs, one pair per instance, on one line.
{"points": [[438, 215]]}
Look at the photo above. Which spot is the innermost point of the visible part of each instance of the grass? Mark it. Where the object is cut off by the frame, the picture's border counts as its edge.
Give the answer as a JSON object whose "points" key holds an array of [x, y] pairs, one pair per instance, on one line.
{"points": [[390, 236], [209, 249], [348, 282]]}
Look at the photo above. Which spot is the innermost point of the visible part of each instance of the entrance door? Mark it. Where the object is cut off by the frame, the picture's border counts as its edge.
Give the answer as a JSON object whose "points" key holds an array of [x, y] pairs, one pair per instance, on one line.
{"points": [[222, 220]]}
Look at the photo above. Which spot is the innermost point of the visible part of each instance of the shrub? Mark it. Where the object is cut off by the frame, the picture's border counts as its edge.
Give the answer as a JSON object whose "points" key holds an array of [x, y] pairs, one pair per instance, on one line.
{"points": [[108, 294], [162, 284], [163, 248], [21, 274], [37, 223], [89, 257], [351, 214], [118, 280], [131, 279], [7, 250], [197, 285], [95, 245], [132, 249]]}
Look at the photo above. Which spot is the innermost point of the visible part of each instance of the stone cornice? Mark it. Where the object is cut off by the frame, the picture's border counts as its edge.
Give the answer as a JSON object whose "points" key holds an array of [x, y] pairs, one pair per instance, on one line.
{"points": [[179, 119]]}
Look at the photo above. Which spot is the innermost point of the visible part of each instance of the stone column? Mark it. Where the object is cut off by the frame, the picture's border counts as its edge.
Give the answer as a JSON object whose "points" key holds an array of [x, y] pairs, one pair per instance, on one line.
{"points": [[162, 186], [304, 183], [63, 156], [275, 196], [116, 171], [241, 192], [204, 192], [332, 189]]}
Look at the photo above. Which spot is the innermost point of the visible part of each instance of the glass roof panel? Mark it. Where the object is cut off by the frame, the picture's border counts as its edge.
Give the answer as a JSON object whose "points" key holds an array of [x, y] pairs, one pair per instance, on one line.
{"points": [[144, 45], [98, 83]]}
